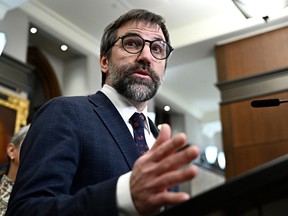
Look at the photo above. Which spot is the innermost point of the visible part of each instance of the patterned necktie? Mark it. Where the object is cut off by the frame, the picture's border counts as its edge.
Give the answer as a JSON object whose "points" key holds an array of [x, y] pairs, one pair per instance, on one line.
{"points": [[137, 120]]}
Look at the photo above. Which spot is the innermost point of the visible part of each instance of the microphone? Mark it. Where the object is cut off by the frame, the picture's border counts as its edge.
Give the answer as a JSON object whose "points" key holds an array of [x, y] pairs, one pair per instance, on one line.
{"points": [[267, 103]]}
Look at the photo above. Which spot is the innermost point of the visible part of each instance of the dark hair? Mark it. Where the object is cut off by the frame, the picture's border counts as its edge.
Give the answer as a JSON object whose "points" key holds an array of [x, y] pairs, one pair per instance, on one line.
{"points": [[110, 32]]}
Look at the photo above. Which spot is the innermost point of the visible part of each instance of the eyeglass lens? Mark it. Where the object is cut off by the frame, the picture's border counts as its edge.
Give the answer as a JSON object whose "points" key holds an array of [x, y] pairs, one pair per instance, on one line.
{"points": [[134, 44]]}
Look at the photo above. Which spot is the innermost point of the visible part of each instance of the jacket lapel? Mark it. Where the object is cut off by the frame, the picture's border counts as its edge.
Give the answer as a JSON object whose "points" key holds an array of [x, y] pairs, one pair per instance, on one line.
{"points": [[153, 128], [114, 123]]}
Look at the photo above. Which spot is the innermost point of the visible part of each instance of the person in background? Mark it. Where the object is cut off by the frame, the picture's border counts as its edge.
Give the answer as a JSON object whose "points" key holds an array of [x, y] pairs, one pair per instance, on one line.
{"points": [[80, 156], [8, 175]]}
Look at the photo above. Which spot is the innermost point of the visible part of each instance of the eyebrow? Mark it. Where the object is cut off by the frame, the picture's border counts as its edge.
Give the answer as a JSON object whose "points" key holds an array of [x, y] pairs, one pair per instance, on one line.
{"points": [[133, 33]]}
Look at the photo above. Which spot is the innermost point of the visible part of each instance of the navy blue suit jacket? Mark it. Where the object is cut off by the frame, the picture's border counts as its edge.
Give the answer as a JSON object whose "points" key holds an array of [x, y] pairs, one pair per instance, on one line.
{"points": [[72, 157]]}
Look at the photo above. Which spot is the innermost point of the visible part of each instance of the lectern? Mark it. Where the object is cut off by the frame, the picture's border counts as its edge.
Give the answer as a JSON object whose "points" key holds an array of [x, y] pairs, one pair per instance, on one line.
{"points": [[262, 191]]}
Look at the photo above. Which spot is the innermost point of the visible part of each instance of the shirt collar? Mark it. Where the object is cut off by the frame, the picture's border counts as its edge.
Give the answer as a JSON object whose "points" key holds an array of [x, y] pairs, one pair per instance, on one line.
{"points": [[124, 107]]}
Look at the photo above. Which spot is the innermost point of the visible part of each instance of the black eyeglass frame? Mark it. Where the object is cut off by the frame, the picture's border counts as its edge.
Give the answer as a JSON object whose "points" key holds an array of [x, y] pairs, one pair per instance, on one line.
{"points": [[144, 41]]}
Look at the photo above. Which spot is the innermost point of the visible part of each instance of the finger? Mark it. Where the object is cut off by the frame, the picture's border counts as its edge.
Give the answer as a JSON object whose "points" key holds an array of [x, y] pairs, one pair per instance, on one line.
{"points": [[172, 178], [180, 158], [183, 147], [164, 134], [158, 200], [175, 162], [169, 147], [169, 198]]}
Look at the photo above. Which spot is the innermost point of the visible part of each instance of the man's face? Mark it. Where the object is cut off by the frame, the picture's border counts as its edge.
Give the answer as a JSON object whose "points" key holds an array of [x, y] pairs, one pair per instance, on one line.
{"points": [[135, 76]]}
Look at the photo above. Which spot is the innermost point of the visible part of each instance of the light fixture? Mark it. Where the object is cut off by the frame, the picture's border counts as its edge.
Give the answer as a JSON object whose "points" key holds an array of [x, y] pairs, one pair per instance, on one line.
{"points": [[260, 8], [2, 41], [64, 47], [167, 108], [211, 154], [212, 159], [221, 160], [33, 30]]}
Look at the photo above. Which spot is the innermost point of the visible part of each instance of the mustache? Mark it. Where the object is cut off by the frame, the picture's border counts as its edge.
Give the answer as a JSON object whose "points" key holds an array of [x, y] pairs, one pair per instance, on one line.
{"points": [[141, 67], [130, 70]]}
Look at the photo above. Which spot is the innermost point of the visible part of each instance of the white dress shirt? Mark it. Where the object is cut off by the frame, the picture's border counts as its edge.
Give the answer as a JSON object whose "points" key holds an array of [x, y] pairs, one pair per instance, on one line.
{"points": [[126, 110]]}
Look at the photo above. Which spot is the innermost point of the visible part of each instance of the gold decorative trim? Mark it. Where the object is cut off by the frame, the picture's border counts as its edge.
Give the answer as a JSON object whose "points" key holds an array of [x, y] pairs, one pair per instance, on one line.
{"points": [[17, 103]]}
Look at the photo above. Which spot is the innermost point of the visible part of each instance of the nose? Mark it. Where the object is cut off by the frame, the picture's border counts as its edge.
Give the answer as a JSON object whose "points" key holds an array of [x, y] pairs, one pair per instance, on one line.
{"points": [[145, 54]]}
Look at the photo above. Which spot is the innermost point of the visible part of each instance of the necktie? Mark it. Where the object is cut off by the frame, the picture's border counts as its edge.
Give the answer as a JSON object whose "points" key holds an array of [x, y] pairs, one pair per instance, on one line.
{"points": [[137, 120]]}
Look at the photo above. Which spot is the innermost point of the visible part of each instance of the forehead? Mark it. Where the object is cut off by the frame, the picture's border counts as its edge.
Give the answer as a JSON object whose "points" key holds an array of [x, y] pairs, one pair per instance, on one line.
{"points": [[142, 28]]}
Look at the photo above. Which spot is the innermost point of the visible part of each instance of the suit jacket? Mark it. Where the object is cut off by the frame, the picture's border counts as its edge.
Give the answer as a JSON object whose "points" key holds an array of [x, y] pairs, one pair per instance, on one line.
{"points": [[71, 159]]}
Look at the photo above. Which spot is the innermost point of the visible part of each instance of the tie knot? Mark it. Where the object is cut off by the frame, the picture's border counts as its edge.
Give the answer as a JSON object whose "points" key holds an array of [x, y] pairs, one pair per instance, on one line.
{"points": [[137, 120]]}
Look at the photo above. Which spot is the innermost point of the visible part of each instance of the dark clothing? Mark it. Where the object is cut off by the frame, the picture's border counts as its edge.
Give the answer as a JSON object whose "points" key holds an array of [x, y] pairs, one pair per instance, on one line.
{"points": [[72, 157]]}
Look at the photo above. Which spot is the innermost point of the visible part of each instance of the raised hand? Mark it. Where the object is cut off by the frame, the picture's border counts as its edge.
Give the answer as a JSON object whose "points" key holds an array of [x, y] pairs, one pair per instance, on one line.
{"points": [[162, 167]]}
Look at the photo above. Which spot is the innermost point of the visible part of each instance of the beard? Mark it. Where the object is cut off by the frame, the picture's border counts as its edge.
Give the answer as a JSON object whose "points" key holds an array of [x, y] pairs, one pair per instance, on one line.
{"points": [[133, 88]]}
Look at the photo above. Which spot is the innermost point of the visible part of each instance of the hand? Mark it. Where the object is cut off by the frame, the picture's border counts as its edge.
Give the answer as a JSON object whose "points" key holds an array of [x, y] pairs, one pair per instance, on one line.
{"points": [[159, 169]]}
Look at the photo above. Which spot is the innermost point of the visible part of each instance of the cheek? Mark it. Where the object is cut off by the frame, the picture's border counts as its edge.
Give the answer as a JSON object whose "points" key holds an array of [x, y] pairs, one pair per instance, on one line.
{"points": [[119, 55], [160, 70]]}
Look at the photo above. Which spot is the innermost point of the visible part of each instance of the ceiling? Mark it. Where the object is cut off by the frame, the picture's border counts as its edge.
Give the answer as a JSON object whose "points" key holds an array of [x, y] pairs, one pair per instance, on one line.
{"points": [[195, 27]]}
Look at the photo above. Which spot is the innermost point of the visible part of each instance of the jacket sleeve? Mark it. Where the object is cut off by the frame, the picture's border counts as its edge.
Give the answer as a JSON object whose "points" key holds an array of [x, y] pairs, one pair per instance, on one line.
{"points": [[46, 182]]}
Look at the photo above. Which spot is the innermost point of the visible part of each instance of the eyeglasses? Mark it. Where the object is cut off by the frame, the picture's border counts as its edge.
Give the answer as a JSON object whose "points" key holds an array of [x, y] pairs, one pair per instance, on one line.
{"points": [[135, 44]]}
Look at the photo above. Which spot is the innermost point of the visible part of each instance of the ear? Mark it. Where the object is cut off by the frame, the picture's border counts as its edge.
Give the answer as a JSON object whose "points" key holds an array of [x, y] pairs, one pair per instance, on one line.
{"points": [[11, 151], [104, 64]]}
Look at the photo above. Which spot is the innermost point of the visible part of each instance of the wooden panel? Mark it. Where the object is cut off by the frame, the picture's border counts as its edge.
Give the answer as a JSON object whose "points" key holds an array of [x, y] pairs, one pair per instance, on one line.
{"points": [[238, 58], [221, 63], [253, 136], [249, 134], [253, 126], [274, 47], [228, 146], [7, 129], [253, 156], [250, 56]]}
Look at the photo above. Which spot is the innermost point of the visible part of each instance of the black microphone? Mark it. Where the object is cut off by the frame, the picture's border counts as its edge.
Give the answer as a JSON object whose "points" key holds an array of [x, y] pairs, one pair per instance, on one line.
{"points": [[267, 103]]}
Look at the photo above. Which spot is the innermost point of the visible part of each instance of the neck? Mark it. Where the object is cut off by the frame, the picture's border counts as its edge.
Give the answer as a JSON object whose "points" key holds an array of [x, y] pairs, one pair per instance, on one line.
{"points": [[12, 172], [140, 106]]}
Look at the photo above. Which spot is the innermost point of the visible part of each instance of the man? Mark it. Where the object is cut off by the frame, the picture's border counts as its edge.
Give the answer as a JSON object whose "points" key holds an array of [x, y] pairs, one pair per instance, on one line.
{"points": [[82, 158]]}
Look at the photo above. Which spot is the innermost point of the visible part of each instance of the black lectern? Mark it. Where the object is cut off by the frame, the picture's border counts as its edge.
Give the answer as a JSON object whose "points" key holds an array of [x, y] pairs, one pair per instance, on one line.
{"points": [[262, 191]]}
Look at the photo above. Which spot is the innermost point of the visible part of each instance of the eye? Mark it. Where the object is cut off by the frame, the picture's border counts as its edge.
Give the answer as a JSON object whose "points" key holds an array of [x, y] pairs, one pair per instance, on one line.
{"points": [[158, 47], [132, 42]]}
